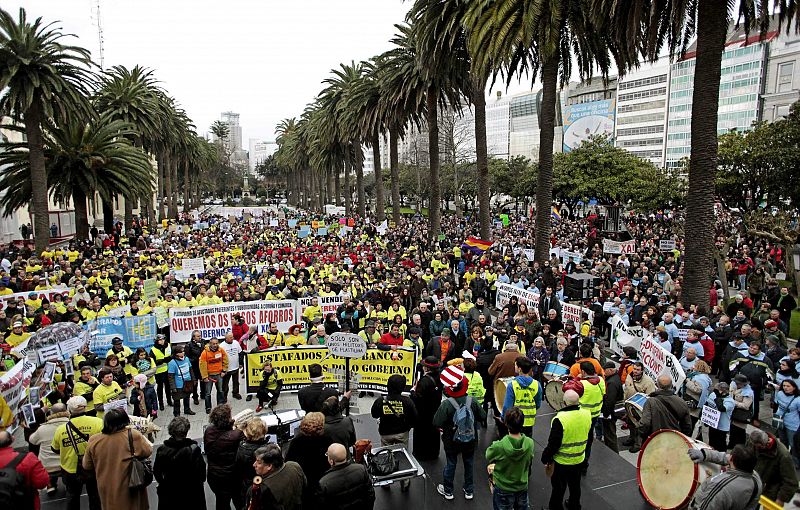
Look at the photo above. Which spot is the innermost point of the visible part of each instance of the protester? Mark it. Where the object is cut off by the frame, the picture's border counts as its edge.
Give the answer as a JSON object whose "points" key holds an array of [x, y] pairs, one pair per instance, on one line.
{"points": [[255, 437], [269, 388], [213, 367], [511, 458], [282, 484], [221, 443], [720, 400], [179, 469], [611, 401], [43, 438], [427, 395], [181, 381], [396, 415], [108, 457], [346, 485], [312, 396], [308, 450], [737, 488], [28, 467], [664, 410], [524, 393], [742, 414]]}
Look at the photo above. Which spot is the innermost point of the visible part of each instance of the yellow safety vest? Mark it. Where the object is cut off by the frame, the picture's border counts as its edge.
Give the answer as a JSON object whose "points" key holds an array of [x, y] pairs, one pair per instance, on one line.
{"points": [[158, 355], [592, 398], [576, 424], [524, 399]]}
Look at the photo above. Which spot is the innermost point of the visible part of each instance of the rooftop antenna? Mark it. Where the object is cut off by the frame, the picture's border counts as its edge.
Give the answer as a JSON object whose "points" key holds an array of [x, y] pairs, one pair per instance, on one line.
{"points": [[98, 21]]}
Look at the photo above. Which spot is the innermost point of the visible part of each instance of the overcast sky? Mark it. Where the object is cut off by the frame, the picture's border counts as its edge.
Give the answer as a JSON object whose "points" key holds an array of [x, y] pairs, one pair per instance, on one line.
{"points": [[264, 59]]}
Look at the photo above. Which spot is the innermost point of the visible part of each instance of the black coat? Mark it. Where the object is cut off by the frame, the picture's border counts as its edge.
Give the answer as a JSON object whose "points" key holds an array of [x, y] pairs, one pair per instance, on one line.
{"points": [[309, 452], [567, 359], [614, 394], [340, 429], [180, 471], [312, 396], [427, 395], [347, 486], [243, 466], [221, 447]]}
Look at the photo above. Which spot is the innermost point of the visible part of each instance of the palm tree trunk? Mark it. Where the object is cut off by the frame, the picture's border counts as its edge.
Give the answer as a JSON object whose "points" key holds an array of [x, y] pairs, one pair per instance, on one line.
{"points": [[320, 176], [362, 199], [435, 192], [108, 216], [348, 198], [380, 201], [128, 205], [699, 218], [81, 214], [337, 189], [39, 187], [167, 185], [394, 170], [174, 189], [161, 161], [330, 189], [186, 206], [482, 159], [544, 183]]}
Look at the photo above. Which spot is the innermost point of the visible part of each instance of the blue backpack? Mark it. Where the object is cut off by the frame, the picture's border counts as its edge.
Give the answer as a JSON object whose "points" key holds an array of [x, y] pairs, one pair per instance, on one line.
{"points": [[464, 421]]}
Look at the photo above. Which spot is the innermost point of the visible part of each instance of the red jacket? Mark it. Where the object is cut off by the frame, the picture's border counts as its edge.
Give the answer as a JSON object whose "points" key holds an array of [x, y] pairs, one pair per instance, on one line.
{"points": [[708, 348], [239, 330], [31, 470]]}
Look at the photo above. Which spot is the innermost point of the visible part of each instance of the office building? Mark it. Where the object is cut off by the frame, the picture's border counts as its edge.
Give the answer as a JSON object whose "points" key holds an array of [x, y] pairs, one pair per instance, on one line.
{"points": [[524, 113], [259, 151], [782, 83], [641, 118], [234, 141], [588, 109]]}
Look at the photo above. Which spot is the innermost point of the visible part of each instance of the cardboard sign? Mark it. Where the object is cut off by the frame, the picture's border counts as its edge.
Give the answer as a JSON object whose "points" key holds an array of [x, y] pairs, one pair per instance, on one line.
{"points": [[666, 244], [194, 266], [710, 417], [619, 247], [346, 345], [150, 289], [216, 320]]}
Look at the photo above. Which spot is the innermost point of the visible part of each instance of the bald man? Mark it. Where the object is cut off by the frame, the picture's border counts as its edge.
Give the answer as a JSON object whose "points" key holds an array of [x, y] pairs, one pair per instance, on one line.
{"points": [[663, 410], [346, 484], [566, 451]]}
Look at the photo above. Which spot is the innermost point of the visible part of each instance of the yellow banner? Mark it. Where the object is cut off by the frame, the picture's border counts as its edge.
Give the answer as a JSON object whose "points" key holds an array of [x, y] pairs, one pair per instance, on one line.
{"points": [[374, 368], [236, 252]]}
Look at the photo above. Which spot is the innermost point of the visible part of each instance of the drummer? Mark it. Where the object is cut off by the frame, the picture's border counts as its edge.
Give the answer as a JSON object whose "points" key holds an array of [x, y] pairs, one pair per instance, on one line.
{"points": [[636, 382], [585, 351], [525, 393]]}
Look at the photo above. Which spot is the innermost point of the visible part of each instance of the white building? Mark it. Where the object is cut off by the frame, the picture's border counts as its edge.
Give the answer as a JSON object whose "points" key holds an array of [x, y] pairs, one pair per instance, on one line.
{"points": [[524, 125], [260, 150], [234, 141], [782, 84], [641, 119]]}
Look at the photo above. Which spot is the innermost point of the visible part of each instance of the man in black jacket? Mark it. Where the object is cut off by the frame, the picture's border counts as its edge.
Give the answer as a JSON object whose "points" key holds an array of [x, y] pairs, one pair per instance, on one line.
{"points": [[312, 396], [396, 415], [612, 397], [346, 485], [193, 350]]}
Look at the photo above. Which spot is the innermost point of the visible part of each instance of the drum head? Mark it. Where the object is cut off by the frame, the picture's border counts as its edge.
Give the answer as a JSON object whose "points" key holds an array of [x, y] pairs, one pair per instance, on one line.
{"points": [[667, 476], [554, 394], [500, 390]]}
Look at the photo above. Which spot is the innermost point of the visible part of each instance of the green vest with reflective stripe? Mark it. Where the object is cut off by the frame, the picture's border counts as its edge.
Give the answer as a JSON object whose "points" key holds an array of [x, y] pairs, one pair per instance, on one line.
{"points": [[158, 354], [576, 424], [592, 398], [524, 399]]}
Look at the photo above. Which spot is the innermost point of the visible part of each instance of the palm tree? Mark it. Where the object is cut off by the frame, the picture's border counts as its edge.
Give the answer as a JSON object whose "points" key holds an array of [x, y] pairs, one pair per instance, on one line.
{"points": [[440, 26], [540, 37], [82, 159], [41, 79], [131, 95], [220, 130], [645, 28]]}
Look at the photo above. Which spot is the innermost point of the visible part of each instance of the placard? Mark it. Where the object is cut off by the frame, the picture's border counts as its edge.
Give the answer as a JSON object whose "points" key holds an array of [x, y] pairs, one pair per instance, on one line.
{"points": [[116, 404], [666, 244], [194, 266], [710, 417], [619, 247], [150, 289], [346, 345], [531, 299]]}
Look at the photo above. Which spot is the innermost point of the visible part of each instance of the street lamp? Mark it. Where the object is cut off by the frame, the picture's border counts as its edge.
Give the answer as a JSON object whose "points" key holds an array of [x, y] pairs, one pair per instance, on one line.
{"points": [[748, 199]]}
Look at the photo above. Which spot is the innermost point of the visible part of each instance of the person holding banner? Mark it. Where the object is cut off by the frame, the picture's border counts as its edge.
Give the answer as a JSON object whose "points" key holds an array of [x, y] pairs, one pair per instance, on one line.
{"points": [[269, 389], [721, 401], [161, 353], [213, 366], [106, 392]]}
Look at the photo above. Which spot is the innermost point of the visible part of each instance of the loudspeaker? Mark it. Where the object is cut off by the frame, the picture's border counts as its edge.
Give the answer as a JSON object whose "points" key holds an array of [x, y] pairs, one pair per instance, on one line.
{"points": [[581, 286]]}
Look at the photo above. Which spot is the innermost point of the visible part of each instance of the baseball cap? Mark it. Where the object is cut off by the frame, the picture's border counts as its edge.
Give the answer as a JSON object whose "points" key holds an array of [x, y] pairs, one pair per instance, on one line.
{"points": [[76, 404], [17, 324]]}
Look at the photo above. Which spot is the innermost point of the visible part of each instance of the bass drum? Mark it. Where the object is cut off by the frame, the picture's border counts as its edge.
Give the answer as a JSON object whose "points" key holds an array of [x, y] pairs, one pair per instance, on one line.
{"points": [[554, 394], [500, 386], [667, 476]]}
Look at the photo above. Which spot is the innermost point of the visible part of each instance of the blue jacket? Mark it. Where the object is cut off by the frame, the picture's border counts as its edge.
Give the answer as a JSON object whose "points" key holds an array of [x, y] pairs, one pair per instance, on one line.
{"points": [[789, 410], [524, 381], [179, 371]]}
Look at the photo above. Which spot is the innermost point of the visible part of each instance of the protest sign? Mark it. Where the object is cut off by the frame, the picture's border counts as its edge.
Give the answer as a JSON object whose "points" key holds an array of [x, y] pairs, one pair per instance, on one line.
{"points": [[619, 247], [327, 304], [194, 266], [346, 345], [150, 289], [624, 336], [48, 294], [666, 244], [569, 311], [292, 223], [574, 255], [322, 231], [529, 254], [273, 222], [710, 417], [216, 320], [658, 361], [162, 316], [138, 331], [374, 367], [13, 388], [119, 311]]}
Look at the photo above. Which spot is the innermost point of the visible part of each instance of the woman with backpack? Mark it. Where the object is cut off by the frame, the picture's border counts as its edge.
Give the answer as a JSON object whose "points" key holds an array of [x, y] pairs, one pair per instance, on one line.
{"points": [[179, 469]]}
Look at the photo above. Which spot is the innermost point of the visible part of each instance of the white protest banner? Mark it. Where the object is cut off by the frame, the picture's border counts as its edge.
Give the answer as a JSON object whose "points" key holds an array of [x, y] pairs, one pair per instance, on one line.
{"points": [[216, 320], [607, 306], [13, 387], [162, 316], [555, 252], [119, 311], [624, 336], [273, 222], [619, 247], [574, 255], [383, 227], [710, 417], [194, 266], [48, 294], [181, 274], [327, 304], [346, 345], [666, 244], [658, 361], [569, 311], [529, 254]]}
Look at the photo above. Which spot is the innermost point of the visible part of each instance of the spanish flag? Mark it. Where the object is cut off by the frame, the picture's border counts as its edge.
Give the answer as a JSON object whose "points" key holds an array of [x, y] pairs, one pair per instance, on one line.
{"points": [[475, 245], [555, 213]]}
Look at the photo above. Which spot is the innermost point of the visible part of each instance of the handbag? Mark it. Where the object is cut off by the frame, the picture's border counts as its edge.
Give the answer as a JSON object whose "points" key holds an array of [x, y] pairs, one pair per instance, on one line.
{"points": [[742, 415], [83, 475], [383, 463], [141, 470], [362, 449]]}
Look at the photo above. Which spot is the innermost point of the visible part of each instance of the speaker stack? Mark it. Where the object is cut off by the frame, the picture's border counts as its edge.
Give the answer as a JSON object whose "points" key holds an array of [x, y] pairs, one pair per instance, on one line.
{"points": [[581, 286]]}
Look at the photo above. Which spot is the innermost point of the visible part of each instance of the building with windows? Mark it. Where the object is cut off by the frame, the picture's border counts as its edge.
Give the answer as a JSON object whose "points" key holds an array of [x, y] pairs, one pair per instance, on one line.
{"points": [[259, 151], [234, 141], [641, 116], [782, 83], [744, 65], [524, 113]]}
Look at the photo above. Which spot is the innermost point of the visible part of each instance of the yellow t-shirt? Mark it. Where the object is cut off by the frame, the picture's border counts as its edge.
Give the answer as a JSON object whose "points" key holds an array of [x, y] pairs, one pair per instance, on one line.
{"points": [[14, 339], [88, 426], [104, 394], [290, 340]]}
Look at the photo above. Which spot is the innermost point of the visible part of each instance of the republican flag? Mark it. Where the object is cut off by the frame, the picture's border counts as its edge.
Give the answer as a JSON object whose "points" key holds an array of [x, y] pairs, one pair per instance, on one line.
{"points": [[475, 245], [555, 213]]}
